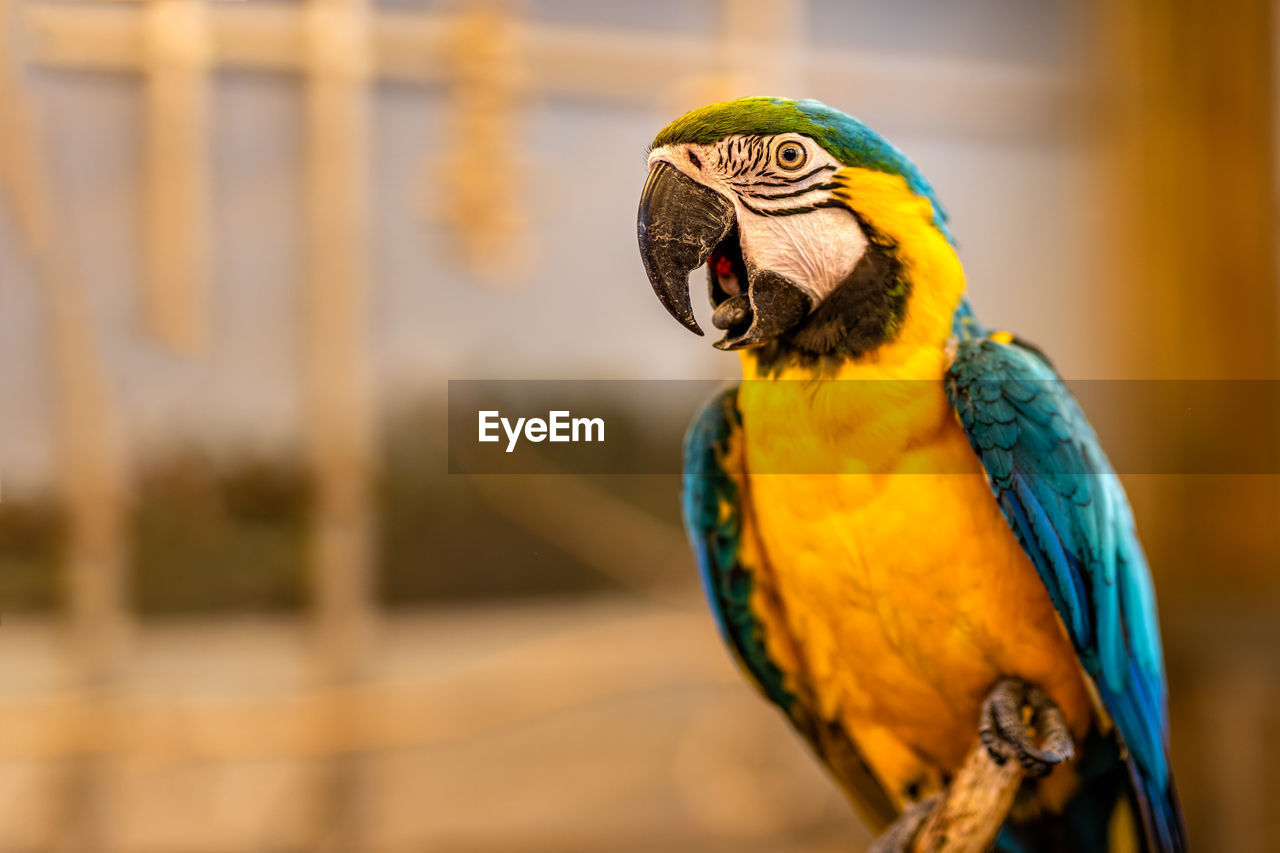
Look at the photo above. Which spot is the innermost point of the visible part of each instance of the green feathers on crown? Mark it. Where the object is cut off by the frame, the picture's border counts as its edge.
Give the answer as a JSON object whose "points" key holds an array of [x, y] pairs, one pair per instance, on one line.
{"points": [[844, 137]]}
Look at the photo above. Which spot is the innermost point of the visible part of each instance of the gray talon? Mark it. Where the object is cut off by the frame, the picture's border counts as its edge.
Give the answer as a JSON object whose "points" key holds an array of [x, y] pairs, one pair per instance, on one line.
{"points": [[1005, 735]]}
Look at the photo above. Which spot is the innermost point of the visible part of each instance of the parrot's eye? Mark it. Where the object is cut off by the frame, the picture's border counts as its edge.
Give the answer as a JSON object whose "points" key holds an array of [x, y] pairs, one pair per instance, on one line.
{"points": [[791, 155]]}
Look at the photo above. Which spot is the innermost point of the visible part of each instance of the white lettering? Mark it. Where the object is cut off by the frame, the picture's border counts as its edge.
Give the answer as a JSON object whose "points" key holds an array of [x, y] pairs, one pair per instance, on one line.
{"points": [[587, 424], [513, 435], [488, 422], [559, 425]]}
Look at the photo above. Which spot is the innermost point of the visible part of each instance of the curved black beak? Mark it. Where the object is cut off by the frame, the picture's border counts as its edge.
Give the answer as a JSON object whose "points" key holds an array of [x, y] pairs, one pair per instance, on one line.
{"points": [[679, 223]]}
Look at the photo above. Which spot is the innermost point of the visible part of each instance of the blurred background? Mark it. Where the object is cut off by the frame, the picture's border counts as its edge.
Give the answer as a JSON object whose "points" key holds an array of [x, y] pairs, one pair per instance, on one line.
{"points": [[245, 243]]}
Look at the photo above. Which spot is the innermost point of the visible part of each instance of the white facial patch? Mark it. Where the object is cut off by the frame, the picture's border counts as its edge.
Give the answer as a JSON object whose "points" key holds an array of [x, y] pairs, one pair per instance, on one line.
{"points": [[780, 187], [816, 250]]}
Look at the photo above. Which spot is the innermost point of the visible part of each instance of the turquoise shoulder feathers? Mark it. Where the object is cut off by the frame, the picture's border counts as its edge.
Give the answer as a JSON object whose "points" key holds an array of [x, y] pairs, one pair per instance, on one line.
{"points": [[1065, 504]]}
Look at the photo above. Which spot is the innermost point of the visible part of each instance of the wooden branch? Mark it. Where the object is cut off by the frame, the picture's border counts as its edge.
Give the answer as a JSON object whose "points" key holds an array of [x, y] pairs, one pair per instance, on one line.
{"points": [[973, 807]]}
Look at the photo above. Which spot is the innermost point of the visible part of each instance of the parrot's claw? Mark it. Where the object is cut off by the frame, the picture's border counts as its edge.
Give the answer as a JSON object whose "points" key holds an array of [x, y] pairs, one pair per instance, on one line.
{"points": [[1005, 733], [901, 834]]}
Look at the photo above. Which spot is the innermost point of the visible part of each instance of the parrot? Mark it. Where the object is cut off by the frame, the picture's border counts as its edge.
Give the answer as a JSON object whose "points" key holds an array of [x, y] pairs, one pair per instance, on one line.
{"points": [[908, 533]]}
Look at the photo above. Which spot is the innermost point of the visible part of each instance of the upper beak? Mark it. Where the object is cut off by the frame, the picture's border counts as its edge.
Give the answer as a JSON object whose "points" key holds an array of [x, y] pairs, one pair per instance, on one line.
{"points": [[679, 223]]}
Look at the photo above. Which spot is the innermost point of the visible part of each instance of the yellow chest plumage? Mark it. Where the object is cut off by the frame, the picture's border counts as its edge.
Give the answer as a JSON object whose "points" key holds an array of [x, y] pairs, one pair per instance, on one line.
{"points": [[904, 596]]}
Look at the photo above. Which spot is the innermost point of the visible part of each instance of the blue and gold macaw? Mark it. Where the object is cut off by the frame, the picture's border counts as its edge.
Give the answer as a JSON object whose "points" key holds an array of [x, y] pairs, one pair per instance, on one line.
{"points": [[846, 531]]}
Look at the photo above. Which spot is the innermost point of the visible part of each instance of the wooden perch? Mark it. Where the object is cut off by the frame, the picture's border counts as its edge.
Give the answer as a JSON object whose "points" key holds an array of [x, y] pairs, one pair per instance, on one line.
{"points": [[967, 815], [971, 810]]}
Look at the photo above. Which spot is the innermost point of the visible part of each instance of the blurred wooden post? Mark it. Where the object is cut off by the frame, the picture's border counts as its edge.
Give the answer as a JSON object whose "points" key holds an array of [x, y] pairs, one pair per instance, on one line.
{"points": [[175, 252], [480, 175], [89, 466], [1189, 198], [1188, 103], [1188, 98], [336, 378], [1234, 703]]}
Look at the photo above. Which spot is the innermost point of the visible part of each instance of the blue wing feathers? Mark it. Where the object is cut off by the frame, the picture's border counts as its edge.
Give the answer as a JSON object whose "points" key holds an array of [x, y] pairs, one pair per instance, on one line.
{"points": [[712, 516], [1060, 496], [1068, 581]]}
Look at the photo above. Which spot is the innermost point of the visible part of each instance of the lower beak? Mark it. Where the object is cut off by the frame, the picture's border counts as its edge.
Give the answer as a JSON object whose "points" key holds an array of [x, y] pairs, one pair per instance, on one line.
{"points": [[776, 305], [680, 221]]}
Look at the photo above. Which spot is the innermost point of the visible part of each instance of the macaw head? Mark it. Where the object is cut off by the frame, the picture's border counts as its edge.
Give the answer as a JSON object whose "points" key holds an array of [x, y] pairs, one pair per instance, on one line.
{"points": [[814, 229]]}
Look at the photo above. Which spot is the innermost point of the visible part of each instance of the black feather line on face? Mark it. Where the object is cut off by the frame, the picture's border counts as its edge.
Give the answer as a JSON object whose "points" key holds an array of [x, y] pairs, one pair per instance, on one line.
{"points": [[738, 154], [792, 211], [826, 167], [864, 312], [829, 185]]}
